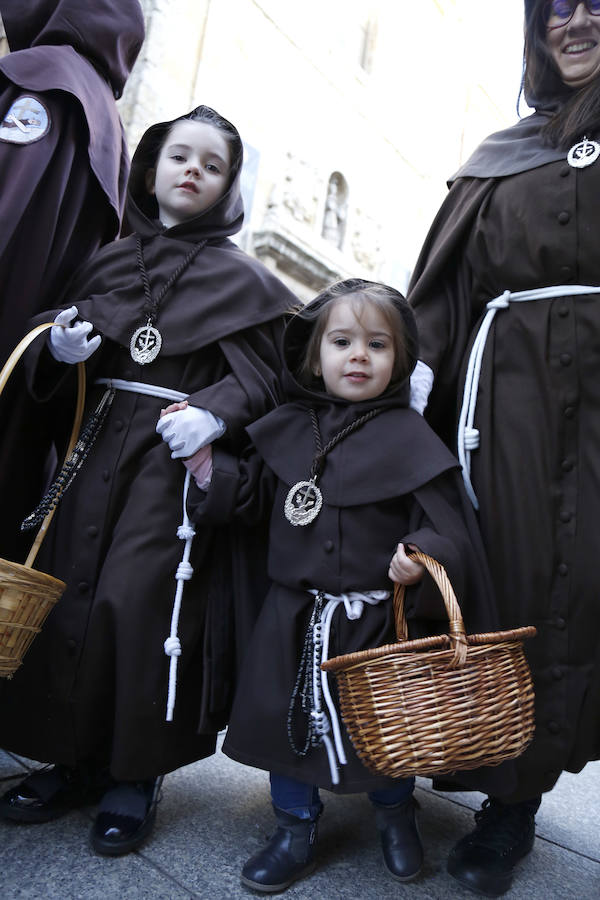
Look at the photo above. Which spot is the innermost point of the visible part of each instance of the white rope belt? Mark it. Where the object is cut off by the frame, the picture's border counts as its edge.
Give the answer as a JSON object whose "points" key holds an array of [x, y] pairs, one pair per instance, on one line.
{"points": [[185, 532], [468, 435], [354, 603], [138, 387]]}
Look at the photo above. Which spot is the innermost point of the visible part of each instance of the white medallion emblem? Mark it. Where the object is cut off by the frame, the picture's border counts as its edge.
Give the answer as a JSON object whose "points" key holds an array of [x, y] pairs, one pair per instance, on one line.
{"points": [[583, 154], [27, 121], [145, 344], [303, 503]]}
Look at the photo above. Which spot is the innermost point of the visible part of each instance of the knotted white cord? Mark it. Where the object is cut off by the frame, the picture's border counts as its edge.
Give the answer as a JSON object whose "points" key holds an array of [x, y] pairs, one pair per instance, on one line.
{"points": [[468, 435], [172, 645], [354, 604]]}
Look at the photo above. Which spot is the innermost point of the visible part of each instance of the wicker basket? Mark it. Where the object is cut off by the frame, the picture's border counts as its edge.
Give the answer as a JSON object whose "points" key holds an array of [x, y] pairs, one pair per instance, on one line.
{"points": [[441, 704], [26, 595]]}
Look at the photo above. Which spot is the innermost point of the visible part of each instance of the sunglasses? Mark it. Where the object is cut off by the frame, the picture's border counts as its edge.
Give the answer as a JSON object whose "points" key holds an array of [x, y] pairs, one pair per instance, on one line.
{"points": [[559, 13]]}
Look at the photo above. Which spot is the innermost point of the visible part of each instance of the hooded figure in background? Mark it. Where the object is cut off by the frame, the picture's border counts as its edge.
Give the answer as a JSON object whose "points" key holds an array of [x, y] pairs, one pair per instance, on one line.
{"points": [[92, 692], [63, 173], [519, 227]]}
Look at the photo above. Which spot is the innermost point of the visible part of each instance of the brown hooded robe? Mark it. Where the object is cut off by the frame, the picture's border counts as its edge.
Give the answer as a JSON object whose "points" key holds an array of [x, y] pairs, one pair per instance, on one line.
{"points": [[94, 683]]}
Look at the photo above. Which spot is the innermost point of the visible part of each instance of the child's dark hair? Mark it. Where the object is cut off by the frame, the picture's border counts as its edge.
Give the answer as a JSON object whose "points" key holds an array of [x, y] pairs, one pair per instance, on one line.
{"points": [[211, 117], [390, 303]]}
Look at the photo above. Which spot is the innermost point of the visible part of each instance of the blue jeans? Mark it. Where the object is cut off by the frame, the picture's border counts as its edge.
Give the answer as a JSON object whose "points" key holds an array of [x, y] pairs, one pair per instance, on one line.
{"points": [[302, 800]]}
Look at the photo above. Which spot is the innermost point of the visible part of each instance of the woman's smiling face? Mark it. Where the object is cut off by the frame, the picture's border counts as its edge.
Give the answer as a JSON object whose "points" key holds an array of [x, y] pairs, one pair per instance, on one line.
{"points": [[575, 47]]}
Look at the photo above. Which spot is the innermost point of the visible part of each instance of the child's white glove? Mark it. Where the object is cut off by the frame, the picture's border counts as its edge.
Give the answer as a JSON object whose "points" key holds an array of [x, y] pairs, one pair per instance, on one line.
{"points": [[69, 343], [421, 382], [186, 430]]}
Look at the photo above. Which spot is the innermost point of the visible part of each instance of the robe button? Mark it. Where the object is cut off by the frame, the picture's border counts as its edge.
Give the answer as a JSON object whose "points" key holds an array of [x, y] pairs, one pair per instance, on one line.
{"points": [[563, 310], [82, 587], [565, 516], [566, 272], [565, 359], [105, 475], [328, 545], [553, 727], [71, 644], [119, 425], [563, 569], [569, 412], [557, 673], [567, 465], [564, 217], [560, 623], [565, 172], [92, 531]]}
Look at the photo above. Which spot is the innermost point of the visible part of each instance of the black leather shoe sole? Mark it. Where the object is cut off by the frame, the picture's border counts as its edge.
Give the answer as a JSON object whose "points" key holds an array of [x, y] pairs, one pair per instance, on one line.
{"points": [[22, 805], [497, 884], [274, 888], [118, 847]]}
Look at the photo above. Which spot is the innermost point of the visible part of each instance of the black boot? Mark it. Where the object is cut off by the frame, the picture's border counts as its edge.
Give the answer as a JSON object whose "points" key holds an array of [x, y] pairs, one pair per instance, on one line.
{"points": [[289, 855], [53, 791], [400, 841], [485, 859], [125, 817]]}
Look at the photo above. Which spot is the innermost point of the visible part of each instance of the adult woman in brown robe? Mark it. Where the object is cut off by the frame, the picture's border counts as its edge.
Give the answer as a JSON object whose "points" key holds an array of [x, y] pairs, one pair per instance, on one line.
{"points": [[522, 214], [92, 692]]}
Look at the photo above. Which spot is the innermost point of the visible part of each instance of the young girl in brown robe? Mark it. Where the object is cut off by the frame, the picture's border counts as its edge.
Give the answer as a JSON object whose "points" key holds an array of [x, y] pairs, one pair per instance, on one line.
{"points": [[382, 481], [179, 310]]}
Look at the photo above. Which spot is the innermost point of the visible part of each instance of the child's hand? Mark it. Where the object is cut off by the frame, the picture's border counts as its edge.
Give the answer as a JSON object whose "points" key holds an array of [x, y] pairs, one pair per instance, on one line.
{"points": [[173, 407], [403, 569]]}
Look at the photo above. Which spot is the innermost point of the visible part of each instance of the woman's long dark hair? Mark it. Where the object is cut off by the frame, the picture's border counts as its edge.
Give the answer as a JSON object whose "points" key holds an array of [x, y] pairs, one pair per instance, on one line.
{"points": [[577, 111]]}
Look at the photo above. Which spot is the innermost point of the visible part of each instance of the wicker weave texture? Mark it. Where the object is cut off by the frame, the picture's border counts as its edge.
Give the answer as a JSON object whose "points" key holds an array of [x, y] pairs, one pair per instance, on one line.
{"points": [[411, 714], [26, 595], [26, 598], [439, 705]]}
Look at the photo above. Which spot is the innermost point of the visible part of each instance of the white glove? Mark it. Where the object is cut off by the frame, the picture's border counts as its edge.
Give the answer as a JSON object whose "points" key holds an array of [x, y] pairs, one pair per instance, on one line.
{"points": [[69, 343], [421, 382], [186, 430]]}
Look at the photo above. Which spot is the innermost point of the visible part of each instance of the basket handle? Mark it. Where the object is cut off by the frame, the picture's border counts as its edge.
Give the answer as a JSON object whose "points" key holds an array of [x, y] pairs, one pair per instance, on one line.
{"points": [[457, 632], [5, 374]]}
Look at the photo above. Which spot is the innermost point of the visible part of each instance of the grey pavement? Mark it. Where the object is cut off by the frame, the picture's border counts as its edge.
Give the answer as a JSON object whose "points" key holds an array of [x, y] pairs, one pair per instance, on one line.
{"points": [[215, 813]]}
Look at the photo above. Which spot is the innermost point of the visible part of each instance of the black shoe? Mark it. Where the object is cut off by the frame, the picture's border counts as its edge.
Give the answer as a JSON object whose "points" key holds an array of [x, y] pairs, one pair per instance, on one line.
{"points": [[400, 841], [125, 817], [484, 860], [289, 855], [52, 792]]}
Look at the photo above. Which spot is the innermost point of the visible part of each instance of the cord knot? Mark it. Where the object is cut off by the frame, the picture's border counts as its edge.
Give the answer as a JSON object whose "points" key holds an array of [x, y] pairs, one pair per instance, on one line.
{"points": [[184, 571], [172, 646], [185, 532], [471, 438]]}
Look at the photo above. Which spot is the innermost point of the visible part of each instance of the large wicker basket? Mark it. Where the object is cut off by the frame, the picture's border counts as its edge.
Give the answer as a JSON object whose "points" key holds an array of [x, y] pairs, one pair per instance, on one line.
{"points": [[26, 595], [441, 704]]}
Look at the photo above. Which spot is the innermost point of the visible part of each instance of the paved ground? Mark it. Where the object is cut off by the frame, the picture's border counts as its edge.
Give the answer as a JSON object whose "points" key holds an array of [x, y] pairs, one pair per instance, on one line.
{"points": [[214, 814]]}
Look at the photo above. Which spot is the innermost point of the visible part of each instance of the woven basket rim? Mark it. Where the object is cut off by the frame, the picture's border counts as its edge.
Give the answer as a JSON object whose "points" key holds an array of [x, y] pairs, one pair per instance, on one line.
{"points": [[27, 573], [423, 646]]}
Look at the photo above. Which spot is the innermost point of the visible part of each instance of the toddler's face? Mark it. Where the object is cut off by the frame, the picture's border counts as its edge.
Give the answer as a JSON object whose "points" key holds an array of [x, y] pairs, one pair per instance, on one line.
{"points": [[357, 353], [191, 173]]}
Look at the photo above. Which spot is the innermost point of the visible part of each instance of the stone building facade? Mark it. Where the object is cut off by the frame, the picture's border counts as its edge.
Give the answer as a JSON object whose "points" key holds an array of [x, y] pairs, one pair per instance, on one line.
{"points": [[351, 117]]}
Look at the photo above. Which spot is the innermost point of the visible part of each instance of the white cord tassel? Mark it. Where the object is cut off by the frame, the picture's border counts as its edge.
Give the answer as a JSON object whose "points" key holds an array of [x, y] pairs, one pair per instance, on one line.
{"points": [[172, 645], [354, 603]]}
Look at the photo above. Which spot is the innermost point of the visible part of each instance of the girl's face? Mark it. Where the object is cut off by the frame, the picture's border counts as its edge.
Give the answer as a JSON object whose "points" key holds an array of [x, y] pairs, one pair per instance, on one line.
{"points": [[191, 173], [574, 44], [357, 353]]}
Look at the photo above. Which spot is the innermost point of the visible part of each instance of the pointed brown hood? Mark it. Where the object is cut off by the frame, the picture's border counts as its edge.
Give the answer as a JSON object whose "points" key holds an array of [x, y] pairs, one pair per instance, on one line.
{"points": [[108, 33]]}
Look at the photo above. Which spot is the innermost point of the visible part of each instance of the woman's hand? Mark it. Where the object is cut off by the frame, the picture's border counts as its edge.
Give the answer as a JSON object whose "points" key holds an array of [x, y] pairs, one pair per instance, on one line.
{"points": [[403, 569]]}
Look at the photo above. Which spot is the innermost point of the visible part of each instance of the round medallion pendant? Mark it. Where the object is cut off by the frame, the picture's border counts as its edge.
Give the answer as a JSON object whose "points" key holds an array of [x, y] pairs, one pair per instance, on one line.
{"points": [[303, 503], [145, 344], [583, 154]]}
